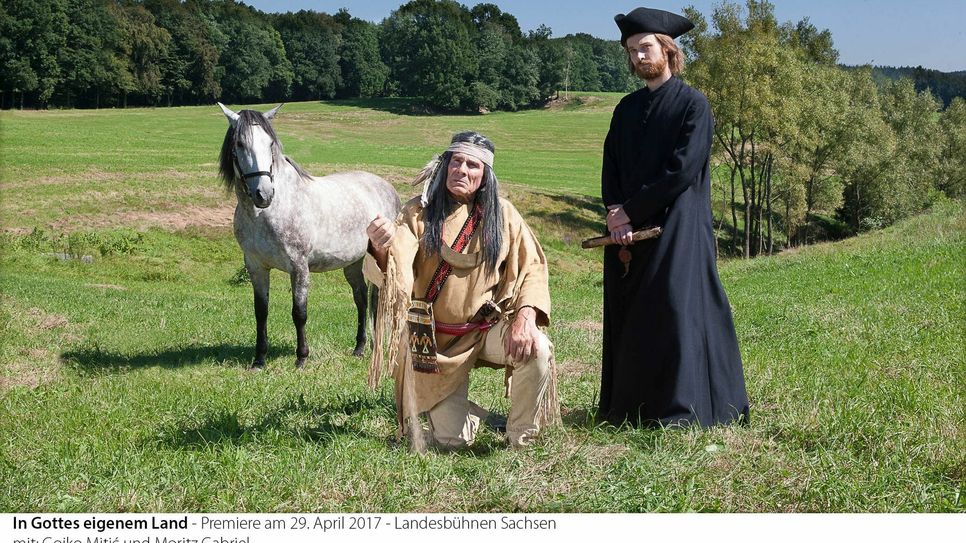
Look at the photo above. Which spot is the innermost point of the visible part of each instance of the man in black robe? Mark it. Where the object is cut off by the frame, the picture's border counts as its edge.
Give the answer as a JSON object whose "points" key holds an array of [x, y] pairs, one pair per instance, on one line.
{"points": [[670, 352]]}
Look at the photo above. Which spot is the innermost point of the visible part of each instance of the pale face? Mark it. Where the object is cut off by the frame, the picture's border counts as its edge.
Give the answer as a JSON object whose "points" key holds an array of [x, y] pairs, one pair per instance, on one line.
{"points": [[464, 177], [646, 55]]}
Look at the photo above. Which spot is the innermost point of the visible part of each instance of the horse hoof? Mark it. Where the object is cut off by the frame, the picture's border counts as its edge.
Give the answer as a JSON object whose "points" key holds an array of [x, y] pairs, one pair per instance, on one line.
{"points": [[300, 363], [257, 366], [358, 352]]}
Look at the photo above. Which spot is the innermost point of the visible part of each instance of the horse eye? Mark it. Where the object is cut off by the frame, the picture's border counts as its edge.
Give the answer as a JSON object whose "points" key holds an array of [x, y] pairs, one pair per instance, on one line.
{"points": [[239, 145]]}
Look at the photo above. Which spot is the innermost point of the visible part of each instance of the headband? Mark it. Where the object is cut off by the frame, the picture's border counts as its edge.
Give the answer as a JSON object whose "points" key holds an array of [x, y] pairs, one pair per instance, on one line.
{"points": [[479, 152], [428, 172]]}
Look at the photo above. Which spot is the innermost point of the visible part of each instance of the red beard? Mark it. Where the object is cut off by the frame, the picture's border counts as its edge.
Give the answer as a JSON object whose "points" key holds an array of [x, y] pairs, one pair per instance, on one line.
{"points": [[652, 69]]}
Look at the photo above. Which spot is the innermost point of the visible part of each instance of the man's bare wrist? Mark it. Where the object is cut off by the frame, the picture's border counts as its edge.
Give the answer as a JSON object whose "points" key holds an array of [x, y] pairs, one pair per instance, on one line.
{"points": [[527, 312]]}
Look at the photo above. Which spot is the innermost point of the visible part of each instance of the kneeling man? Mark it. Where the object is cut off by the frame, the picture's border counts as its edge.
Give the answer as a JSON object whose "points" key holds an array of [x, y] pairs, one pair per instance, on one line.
{"points": [[463, 283]]}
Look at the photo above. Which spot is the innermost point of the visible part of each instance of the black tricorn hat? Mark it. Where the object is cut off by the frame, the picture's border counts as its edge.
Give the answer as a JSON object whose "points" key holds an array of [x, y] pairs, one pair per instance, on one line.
{"points": [[652, 21]]}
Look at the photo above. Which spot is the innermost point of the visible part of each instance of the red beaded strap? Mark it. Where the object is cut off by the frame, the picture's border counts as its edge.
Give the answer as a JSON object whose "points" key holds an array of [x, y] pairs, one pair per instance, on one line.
{"points": [[460, 243]]}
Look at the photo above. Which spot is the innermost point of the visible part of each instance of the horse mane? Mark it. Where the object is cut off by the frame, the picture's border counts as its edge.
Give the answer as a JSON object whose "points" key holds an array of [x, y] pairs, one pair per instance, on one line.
{"points": [[241, 132]]}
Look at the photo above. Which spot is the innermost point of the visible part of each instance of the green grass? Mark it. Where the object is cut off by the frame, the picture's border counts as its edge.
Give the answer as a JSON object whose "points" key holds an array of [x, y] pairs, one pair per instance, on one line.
{"points": [[123, 384]]}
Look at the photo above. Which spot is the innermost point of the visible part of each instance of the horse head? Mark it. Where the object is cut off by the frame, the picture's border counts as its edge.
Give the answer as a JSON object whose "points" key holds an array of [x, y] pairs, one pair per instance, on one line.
{"points": [[249, 154]]}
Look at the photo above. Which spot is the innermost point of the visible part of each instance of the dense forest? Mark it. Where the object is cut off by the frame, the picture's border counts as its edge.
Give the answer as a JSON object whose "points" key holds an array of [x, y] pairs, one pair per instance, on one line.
{"points": [[805, 149], [945, 85], [119, 53]]}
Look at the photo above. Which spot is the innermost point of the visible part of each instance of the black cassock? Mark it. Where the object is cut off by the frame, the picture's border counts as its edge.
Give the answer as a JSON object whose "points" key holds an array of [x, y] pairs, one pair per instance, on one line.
{"points": [[670, 351]]}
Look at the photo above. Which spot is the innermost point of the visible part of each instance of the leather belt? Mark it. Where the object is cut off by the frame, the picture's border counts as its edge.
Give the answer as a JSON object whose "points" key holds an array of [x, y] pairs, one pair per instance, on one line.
{"points": [[462, 329]]}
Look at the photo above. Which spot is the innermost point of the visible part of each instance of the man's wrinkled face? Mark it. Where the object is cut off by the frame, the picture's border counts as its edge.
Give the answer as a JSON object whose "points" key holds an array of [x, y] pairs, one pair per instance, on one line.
{"points": [[646, 55], [464, 176]]}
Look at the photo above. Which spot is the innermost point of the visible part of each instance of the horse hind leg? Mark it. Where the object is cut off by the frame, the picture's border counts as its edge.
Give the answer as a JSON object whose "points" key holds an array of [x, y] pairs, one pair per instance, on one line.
{"points": [[353, 274]]}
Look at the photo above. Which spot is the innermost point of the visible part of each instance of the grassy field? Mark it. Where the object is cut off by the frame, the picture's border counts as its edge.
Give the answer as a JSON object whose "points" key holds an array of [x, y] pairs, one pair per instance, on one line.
{"points": [[123, 384]]}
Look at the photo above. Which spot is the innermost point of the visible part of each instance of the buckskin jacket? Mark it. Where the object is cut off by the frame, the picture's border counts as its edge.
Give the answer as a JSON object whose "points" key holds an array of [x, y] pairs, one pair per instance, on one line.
{"points": [[520, 279]]}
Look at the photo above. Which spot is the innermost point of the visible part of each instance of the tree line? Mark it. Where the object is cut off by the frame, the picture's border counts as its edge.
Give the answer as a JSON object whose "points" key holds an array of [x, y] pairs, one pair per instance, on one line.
{"points": [[945, 85], [806, 150], [116, 53]]}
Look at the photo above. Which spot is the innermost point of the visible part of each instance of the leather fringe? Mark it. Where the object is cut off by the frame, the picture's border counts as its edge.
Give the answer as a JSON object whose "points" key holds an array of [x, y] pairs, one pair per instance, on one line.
{"points": [[389, 326], [548, 413]]}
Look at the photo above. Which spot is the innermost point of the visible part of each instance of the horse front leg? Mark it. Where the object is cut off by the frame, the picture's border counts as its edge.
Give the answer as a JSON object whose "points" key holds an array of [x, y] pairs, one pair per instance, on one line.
{"points": [[300, 299], [260, 282], [353, 274]]}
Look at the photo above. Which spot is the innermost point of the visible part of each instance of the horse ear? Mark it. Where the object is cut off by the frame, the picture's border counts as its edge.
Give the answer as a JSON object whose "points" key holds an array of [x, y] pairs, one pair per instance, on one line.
{"points": [[270, 114], [232, 116]]}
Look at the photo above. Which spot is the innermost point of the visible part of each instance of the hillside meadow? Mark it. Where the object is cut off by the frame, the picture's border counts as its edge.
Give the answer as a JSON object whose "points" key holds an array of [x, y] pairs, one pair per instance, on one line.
{"points": [[124, 382]]}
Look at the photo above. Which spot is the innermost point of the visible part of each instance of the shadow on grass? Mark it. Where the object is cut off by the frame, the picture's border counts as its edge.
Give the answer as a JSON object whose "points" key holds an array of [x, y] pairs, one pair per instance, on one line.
{"points": [[581, 215], [93, 359], [412, 107], [296, 419]]}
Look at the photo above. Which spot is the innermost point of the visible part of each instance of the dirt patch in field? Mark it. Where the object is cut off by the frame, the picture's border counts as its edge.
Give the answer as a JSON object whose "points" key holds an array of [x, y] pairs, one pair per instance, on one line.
{"points": [[173, 220], [572, 102], [572, 368], [17, 231], [46, 321], [51, 322], [66, 179], [31, 368], [593, 326], [30, 358], [106, 287], [99, 176]]}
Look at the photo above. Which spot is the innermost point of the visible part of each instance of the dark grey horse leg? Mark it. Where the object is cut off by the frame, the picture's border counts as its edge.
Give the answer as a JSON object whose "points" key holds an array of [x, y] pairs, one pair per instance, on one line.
{"points": [[353, 274], [300, 298], [260, 281]]}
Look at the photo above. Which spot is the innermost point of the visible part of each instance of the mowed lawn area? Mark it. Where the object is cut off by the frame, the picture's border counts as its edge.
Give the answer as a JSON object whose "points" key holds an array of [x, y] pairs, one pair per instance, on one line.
{"points": [[124, 382]]}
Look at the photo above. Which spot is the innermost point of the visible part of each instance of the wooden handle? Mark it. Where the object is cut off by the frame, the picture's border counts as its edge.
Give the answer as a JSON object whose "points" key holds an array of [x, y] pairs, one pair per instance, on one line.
{"points": [[603, 241]]}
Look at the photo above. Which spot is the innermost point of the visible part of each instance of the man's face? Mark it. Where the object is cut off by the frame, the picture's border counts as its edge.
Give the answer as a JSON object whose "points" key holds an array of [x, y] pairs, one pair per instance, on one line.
{"points": [[464, 176], [646, 55]]}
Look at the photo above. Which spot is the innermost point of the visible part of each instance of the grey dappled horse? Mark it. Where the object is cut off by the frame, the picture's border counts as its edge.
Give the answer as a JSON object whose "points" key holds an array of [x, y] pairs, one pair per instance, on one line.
{"points": [[290, 221]]}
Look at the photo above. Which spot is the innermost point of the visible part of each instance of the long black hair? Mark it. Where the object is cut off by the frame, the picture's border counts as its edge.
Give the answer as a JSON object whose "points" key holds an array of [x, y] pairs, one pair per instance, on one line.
{"points": [[488, 196]]}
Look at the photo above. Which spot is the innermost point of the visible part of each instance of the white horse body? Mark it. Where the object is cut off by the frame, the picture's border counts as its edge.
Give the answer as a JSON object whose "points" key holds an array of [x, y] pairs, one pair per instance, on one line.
{"points": [[322, 223], [290, 221]]}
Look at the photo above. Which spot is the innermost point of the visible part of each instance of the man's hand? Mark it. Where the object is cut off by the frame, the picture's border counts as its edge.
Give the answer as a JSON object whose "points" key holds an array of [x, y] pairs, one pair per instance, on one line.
{"points": [[616, 217], [623, 235], [520, 343], [619, 225], [380, 232]]}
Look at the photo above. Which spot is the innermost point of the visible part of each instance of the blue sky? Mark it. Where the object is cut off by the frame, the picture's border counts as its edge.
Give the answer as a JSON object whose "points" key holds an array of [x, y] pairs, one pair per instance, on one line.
{"points": [[882, 32]]}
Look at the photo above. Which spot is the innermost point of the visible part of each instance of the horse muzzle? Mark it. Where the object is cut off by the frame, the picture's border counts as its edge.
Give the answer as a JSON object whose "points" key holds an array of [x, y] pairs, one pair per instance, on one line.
{"points": [[262, 201], [261, 191]]}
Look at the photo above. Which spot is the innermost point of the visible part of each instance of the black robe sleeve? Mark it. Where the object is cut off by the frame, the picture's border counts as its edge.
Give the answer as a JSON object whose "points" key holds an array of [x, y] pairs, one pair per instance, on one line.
{"points": [[610, 175], [683, 168]]}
